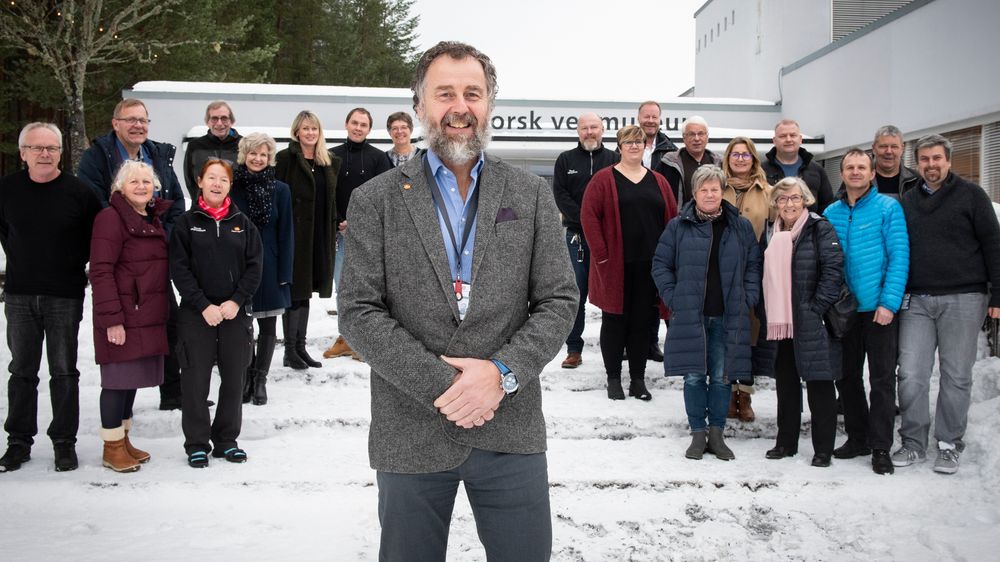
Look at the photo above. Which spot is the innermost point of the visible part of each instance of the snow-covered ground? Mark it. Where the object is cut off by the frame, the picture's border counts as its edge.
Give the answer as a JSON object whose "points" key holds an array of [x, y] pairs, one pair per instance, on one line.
{"points": [[620, 486]]}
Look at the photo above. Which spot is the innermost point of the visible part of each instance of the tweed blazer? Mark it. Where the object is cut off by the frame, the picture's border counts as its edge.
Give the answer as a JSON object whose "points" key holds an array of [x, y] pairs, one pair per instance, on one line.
{"points": [[397, 309]]}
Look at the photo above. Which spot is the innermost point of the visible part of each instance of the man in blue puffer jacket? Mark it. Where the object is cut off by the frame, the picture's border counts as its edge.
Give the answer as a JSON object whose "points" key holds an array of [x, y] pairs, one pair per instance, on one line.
{"points": [[872, 232]]}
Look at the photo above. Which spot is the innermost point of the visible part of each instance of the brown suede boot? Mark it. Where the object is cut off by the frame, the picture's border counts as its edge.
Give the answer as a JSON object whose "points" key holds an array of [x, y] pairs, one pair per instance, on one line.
{"points": [[734, 407], [137, 454], [115, 456], [338, 349], [746, 411]]}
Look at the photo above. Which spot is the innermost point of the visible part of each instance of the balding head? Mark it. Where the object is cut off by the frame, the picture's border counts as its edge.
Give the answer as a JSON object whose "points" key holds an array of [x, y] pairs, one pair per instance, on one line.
{"points": [[590, 129]]}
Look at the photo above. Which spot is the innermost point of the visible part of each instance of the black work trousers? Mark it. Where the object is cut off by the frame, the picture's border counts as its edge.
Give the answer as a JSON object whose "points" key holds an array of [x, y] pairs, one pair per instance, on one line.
{"points": [[630, 330], [872, 425], [200, 347]]}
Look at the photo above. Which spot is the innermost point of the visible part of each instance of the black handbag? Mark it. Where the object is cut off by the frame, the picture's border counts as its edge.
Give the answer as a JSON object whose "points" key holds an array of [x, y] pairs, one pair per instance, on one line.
{"points": [[842, 314]]}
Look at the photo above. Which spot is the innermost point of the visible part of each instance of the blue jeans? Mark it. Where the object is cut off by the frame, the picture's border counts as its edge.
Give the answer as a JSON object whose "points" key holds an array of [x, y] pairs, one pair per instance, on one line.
{"points": [[709, 400], [949, 325], [338, 260], [32, 319], [574, 343], [509, 495]]}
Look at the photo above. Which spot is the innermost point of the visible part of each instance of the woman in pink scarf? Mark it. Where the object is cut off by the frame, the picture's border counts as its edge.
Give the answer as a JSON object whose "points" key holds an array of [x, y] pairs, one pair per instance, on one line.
{"points": [[803, 272]]}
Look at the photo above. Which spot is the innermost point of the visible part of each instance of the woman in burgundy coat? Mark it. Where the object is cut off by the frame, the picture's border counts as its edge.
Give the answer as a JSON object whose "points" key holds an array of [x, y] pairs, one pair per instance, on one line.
{"points": [[130, 279], [625, 208]]}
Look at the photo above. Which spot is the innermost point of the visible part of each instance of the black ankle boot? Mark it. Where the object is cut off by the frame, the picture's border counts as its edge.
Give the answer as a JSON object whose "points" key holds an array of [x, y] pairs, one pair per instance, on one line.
{"points": [[637, 388], [300, 342], [615, 391]]}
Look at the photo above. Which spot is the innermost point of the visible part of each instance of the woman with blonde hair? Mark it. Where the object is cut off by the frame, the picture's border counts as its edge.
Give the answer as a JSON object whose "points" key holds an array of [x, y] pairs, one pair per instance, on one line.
{"points": [[310, 170], [747, 189], [129, 278], [268, 203]]}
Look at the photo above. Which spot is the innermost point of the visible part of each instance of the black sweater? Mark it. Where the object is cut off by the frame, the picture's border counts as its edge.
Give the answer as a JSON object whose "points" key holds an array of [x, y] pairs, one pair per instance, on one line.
{"points": [[215, 261], [954, 240], [360, 162], [45, 230], [572, 173]]}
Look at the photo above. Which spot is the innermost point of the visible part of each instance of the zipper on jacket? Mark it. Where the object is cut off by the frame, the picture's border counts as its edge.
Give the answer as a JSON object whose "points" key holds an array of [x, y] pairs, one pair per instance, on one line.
{"points": [[217, 229], [591, 164]]}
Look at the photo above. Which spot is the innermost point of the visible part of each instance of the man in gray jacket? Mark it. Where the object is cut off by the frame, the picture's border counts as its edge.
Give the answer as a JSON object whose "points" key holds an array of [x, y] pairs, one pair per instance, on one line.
{"points": [[457, 292]]}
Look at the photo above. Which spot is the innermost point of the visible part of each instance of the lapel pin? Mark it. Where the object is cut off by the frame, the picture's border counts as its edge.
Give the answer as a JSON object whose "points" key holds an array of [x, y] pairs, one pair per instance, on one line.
{"points": [[407, 186]]}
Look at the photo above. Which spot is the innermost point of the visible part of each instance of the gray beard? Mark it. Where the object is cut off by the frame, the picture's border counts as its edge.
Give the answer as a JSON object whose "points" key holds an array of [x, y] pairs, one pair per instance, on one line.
{"points": [[590, 145], [456, 150]]}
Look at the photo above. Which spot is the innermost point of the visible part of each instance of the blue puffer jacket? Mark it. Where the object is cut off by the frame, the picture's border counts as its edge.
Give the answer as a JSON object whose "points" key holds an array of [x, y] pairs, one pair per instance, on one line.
{"points": [[876, 248], [680, 269]]}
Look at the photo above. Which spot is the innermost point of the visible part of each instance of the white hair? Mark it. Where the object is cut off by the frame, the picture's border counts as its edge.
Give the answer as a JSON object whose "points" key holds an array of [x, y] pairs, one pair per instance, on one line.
{"points": [[694, 120], [38, 125]]}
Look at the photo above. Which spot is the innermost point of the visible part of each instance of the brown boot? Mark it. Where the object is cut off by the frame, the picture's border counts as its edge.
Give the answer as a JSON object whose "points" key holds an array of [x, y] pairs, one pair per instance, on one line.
{"points": [[137, 454], [572, 361], [338, 349], [115, 456], [734, 407], [746, 412]]}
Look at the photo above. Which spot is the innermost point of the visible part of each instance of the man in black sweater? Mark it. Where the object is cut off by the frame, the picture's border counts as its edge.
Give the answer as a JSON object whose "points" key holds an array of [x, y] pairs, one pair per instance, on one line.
{"points": [[45, 221], [892, 178], [572, 173], [360, 162], [788, 159], [221, 141], [954, 262]]}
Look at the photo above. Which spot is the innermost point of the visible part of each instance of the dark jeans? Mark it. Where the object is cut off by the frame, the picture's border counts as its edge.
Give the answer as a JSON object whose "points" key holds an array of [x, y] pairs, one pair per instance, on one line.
{"points": [[822, 404], [706, 395], [629, 330], [870, 427], [509, 495], [201, 346], [171, 387], [574, 343], [32, 319]]}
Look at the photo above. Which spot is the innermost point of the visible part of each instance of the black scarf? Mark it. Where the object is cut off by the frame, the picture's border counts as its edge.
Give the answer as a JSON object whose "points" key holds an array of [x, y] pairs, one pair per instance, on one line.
{"points": [[259, 188]]}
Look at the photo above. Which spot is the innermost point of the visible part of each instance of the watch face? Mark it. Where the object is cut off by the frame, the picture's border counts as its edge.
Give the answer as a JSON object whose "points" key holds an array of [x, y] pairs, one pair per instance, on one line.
{"points": [[509, 383]]}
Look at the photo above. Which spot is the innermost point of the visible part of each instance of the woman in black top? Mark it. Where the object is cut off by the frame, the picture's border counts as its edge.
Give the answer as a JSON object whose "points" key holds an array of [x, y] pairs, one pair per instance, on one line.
{"points": [[625, 208], [310, 171], [215, 263]]}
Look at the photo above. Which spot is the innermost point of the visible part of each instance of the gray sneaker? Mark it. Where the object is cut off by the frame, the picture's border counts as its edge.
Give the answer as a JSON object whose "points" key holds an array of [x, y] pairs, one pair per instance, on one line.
{"points": [[904, 456], [947, 461]]}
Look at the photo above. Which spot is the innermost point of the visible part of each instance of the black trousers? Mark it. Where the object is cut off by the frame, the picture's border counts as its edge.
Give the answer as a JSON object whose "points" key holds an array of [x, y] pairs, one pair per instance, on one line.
{"points": [[230, 344], [822, 404], [170, 389], [630, 330], [871, 426]]}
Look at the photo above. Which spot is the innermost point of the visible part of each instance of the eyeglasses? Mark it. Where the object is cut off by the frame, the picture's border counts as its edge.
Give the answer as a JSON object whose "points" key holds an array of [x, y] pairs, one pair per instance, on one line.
{"points": [[786, 199], [40, 149], [135, 120], [218, 119], [741, 156], [631, 143], [696, 135]]}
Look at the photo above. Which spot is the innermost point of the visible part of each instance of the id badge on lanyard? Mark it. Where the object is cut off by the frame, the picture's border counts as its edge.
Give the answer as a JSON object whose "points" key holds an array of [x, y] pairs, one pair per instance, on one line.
{"points": [[463, 292]]}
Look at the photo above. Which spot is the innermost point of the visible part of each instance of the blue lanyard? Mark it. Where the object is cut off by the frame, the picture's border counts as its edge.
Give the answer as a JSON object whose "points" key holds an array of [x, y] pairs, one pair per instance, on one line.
{"points": [[470, 213]]}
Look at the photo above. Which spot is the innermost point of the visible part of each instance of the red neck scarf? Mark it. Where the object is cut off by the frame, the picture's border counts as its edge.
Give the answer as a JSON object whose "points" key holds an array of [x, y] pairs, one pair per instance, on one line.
{"points": [[217, 214]]}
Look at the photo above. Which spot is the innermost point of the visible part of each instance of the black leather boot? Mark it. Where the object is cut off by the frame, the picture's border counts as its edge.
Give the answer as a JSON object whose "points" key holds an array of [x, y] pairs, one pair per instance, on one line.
{"points": [[290, 326], [300, 342], [265, 351]]}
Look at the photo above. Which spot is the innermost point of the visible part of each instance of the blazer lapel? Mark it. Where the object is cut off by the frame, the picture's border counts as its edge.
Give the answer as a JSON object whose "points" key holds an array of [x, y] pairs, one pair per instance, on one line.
{"points": [[491, 186], [419, 203]]}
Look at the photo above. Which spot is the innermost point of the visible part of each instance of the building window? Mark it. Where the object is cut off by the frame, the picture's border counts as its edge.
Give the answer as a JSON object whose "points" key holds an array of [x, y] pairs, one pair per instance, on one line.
{"points": [[991, 160], [725, 24], [734, 17], [711, 34], [718, 28]]}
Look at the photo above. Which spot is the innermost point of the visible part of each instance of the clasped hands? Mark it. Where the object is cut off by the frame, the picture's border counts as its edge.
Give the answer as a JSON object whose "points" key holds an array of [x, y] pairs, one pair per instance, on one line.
{"points": [[475, 392], [215, 314]]}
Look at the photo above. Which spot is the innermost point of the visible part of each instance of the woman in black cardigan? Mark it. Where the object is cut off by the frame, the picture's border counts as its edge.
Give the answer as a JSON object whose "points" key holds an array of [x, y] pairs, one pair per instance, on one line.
{"points": [[310, 170]]}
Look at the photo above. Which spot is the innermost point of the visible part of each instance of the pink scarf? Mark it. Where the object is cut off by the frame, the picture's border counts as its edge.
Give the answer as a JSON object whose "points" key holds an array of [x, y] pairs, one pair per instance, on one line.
{"points": [[778, 278]]}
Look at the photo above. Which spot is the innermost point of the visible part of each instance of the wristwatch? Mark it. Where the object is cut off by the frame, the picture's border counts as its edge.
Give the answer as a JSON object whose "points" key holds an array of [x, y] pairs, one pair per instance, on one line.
{"points": [[508, 380]]}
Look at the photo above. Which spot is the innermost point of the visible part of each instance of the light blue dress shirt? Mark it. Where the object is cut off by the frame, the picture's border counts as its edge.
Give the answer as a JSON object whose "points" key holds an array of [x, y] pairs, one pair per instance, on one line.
{"points": [[448, 184]]}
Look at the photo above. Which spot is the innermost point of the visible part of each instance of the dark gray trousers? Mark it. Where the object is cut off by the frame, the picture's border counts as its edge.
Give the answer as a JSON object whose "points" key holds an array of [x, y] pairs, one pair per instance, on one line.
{"points": [[509, 495]]}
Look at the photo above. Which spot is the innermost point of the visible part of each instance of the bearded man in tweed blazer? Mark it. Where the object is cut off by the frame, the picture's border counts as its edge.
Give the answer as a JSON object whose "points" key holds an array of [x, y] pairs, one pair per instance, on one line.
{"points": [[457, 321]]}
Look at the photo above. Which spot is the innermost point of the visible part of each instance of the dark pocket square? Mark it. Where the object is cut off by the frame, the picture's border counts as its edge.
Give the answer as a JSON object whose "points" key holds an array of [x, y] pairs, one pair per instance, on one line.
{"points": [[506, 214]]}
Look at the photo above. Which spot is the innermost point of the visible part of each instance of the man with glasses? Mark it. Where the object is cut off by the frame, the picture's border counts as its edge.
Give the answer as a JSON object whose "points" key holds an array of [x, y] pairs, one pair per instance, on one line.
{"points": [[788, 159], [873, 237], [129, 140], [45, 221], [679, 166], [221, 141], [572, 173]]}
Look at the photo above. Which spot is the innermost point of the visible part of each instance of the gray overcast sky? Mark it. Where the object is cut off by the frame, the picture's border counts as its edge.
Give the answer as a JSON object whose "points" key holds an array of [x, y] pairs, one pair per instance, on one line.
{"points": [[585, 49]]}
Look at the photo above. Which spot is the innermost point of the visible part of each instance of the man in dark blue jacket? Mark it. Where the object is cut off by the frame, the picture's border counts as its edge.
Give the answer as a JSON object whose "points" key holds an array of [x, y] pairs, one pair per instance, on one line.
{"points": [[129, 140], [572, 173]]}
